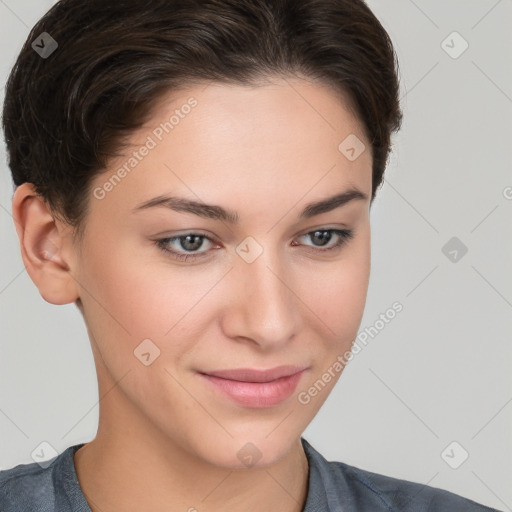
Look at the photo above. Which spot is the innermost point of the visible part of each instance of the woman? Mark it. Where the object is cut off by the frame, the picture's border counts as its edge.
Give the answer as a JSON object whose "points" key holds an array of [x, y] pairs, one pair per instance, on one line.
{"points": [[197, 178]]}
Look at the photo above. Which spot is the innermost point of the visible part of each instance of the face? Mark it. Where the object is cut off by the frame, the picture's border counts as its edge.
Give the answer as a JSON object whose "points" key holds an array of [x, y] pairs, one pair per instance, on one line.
{"points": [[170, 292]]}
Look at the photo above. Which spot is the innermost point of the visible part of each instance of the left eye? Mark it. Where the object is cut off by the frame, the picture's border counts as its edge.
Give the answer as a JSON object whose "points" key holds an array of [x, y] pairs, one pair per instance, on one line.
{"points": [[194, 241]]}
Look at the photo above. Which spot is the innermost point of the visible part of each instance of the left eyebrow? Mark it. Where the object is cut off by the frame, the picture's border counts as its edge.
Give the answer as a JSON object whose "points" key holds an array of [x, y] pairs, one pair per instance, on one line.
{"points": [[211, 211]]}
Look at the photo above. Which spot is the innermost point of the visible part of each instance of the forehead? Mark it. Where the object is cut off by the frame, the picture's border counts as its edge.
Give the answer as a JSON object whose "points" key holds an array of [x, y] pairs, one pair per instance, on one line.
{"points": [[218, 142], [283, 110]]}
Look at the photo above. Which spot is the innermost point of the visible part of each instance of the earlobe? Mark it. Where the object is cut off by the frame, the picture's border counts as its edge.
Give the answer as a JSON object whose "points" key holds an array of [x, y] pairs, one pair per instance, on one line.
{"points": [[46, 248]]}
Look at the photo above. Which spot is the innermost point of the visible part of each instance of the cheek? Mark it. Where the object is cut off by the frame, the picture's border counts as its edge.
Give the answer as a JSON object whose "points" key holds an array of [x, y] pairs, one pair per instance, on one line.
{"points": [[336, 299], [136, 292], [336, 292]]}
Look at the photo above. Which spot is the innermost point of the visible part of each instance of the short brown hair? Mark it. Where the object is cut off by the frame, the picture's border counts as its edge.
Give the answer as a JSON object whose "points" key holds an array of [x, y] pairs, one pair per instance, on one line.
{"points": [[65, 115]]}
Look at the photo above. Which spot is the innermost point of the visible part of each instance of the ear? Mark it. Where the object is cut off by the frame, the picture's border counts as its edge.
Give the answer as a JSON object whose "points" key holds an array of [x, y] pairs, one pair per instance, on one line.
{"points": [[46, 246]]}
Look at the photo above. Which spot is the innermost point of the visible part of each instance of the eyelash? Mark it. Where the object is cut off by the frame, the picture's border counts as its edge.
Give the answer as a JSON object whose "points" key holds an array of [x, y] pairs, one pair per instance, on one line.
{"points": [[344, 234]]}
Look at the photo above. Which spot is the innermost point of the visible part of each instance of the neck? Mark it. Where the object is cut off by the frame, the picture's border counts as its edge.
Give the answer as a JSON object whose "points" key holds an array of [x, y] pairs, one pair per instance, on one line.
{"points": [[131, 466]]}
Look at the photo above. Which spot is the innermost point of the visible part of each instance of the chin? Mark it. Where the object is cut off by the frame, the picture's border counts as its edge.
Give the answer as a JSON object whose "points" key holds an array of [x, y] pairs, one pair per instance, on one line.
{"points": [[249, 452]]}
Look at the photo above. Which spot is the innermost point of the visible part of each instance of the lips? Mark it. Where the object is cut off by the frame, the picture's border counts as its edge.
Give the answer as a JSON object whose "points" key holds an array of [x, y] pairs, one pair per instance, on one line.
{"points": [[250, 375], [255, 388]]}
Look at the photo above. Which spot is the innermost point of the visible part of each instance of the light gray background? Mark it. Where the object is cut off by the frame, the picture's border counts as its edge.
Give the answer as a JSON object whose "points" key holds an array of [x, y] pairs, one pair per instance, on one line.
{"points": [[440, 370]]}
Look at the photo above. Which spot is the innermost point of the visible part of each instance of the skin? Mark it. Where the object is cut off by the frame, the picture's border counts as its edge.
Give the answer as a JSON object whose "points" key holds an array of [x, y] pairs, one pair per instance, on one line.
{"points": [[166, 440]]}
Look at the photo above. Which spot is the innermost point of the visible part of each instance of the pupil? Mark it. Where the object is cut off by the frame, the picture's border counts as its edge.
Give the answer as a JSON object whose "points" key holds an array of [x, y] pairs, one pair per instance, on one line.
{"points": [[194, 246], [324, 236]]}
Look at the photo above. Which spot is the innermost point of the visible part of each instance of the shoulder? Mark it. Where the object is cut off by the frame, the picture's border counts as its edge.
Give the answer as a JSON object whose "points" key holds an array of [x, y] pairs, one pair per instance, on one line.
{"points": [[339, 486], [400, 494], [36, 487], [26, 486]]}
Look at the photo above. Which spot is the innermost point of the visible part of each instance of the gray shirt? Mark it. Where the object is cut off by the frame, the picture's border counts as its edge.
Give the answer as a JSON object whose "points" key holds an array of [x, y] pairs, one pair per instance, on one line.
{"points": [[333, 487]]}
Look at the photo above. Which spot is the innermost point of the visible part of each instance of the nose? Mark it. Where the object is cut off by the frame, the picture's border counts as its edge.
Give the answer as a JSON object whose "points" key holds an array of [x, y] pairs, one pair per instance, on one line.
{"points": [[265, 308]]}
